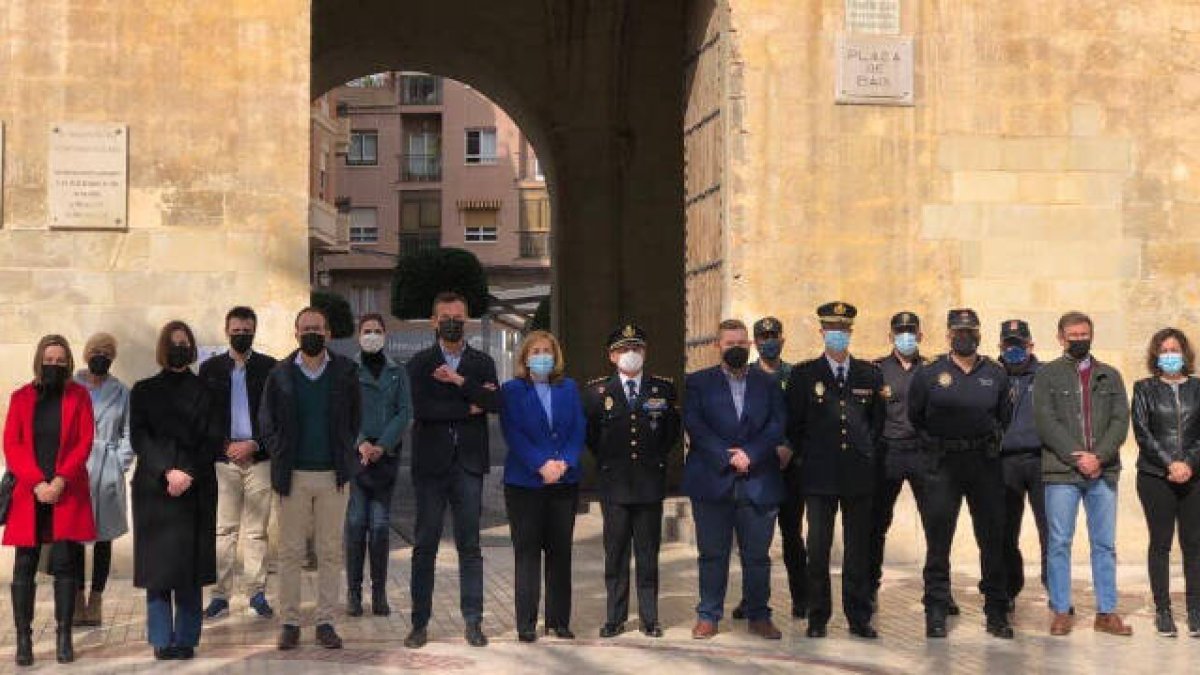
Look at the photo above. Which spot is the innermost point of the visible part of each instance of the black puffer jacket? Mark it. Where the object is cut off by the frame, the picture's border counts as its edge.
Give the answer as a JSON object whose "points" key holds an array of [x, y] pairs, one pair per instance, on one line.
{"points": [[1166, 430]]}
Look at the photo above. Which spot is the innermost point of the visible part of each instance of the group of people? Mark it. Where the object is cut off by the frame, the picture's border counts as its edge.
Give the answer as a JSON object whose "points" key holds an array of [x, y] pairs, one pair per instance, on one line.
{"points": [[270, 455], [770, 441]]}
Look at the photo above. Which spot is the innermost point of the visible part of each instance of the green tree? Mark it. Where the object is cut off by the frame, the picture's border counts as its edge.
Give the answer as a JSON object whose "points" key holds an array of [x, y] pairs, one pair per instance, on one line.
{"points": [[420, 276], [337, 308]]}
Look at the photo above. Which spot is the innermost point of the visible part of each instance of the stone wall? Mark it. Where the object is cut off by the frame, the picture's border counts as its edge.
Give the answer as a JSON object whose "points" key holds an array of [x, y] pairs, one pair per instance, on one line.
{"points": [[215, 96], [1050, 163]]}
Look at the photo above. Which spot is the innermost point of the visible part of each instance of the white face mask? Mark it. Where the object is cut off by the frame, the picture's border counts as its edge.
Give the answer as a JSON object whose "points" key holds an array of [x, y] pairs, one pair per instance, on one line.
{"points": [[630, 362], [372, 343]]}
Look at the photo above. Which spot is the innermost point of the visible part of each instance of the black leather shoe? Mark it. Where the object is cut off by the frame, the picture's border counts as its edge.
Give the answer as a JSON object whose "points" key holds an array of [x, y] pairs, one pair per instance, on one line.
{"points": [[327, 637], [354, 605], [475, 636], [739, 612], [560, 632], [1000, 627], [185, 653], [417, 638], [816, 630], [952, 608], [527, 635], [865, 630], [935, 625], [652, 629], [611, 630], [289, 638], [379, 602]]}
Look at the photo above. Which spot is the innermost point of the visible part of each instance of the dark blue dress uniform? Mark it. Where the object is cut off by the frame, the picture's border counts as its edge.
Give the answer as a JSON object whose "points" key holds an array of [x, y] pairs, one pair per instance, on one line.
{"points": [[959, 416], [631, 439], [834, 426]]}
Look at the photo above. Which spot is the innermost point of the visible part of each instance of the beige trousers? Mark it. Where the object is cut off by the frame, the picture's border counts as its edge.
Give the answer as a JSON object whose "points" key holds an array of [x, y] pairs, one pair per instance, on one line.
{"points": [[243, 510], [315, 500]]}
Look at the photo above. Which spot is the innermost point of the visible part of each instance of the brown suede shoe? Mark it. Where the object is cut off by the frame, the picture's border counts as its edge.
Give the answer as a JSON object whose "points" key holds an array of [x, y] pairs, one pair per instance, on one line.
{"points": [[1112, 624], [1061, 624], [704, 630], [764, 629]]}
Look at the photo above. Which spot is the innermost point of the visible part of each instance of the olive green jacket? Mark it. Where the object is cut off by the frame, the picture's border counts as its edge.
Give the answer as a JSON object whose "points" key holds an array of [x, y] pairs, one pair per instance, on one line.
{"points": [[1058, 412]]}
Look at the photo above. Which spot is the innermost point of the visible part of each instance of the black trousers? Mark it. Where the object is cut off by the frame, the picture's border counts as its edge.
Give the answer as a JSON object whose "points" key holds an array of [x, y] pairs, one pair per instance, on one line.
{"points": [[1165, 504], [62, 562], [639, 526], [856, 557], [899, 465], [976, 477], [101, 565], [1022, 481], [542, 521]]}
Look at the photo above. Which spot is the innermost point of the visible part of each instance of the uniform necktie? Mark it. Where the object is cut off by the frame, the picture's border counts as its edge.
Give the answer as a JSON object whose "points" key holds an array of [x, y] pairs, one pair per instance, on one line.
{"points": [[632, 385], [841, 376]]}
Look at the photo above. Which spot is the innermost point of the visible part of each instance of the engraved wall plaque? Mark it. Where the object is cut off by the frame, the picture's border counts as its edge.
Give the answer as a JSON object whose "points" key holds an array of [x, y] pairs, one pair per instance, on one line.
{"points": [[88, 176], [873, 17], [874, 70]]}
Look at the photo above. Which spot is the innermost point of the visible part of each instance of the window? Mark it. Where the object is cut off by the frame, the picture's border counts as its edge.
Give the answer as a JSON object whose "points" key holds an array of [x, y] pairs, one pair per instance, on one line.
{"points": [[376, 81], [481, 146], [420, 210], [364, 146], [420, 89], [364, 299], [423, 161], [364, 226], [480, 226], [537, 169]]}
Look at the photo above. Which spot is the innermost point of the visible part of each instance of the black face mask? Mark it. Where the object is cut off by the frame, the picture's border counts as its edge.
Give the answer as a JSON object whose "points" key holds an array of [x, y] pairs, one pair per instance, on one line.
{"points": [[241, 342], [964, 345], [312, 344], [736, 357], [99, 364], [53, 377], [179, 356], [1078, 349], [450, 330]]}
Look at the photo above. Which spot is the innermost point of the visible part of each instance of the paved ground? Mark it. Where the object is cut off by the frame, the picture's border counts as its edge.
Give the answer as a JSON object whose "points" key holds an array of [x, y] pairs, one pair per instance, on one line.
{"points": [[240, 644]]}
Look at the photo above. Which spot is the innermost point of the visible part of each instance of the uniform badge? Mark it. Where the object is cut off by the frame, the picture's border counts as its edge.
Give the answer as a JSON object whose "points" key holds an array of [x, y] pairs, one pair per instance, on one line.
{"points": [[945, 380], [628, 332], [886, 391], [608, 403], [819, 389]]}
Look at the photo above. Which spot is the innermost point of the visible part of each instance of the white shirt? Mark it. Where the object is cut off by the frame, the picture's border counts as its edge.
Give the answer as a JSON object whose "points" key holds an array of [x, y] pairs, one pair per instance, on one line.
{"points": [[834, 365], [625, 379], [313, 375]]}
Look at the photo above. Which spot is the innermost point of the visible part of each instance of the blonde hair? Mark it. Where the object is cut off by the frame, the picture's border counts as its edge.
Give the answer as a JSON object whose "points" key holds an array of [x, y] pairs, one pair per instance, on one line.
{"points": [[100, 342], [522, 370]]}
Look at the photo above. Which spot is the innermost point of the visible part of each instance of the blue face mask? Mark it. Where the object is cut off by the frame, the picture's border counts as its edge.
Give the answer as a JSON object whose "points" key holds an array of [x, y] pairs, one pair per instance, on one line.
{"points": [[540, 365], [837, 340], [770, 349], [1171, 363], [1015, 354], [906, 343]]}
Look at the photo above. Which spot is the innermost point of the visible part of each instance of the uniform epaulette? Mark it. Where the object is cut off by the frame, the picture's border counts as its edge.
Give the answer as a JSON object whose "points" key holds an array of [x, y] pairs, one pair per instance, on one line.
{"points": [[596, 380], [662, 378]]}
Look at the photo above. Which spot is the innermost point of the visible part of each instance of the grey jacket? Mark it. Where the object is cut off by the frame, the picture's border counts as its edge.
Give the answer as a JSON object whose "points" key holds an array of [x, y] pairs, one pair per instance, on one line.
{"points": [[111, 456], [1058, 411]]}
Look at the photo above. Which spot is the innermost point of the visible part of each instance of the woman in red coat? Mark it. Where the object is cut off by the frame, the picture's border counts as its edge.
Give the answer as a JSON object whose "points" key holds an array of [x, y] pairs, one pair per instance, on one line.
{"points": [[47, 440]]}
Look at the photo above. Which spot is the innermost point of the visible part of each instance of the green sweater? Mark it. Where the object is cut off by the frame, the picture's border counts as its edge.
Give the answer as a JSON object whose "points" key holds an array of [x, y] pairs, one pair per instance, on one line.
{"points": [[312, 410]]}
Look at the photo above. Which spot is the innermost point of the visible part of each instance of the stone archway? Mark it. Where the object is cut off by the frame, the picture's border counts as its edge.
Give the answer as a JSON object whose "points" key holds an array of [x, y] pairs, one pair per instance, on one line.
{"points": [[597, 88]]}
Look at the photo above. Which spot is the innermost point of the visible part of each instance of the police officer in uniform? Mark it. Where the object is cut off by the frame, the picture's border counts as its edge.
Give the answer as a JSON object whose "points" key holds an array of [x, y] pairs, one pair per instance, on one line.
{"points": [[836, 413], [901, 459], [958, 404], [632, 423], [768, 340]]}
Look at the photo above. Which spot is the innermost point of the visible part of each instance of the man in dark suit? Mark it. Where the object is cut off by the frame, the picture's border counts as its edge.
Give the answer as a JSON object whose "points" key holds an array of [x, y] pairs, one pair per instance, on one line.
{"points": [[236, 380], [734, 416], [454, 387], [836, 412], [632, 424]]}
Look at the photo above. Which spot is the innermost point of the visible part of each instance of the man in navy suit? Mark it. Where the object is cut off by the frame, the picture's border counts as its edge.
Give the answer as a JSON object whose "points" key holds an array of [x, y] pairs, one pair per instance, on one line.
{"points": [[734, 416]]}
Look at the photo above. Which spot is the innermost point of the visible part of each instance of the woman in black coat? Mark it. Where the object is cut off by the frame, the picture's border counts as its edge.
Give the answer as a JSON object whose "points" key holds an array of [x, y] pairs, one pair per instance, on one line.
{"points": [[174, 494]]}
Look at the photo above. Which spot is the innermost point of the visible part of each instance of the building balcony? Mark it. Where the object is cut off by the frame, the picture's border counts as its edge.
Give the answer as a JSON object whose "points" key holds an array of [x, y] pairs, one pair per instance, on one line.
{"points": [[328, 230], [535, 245], [416, 242], [420, 168]]}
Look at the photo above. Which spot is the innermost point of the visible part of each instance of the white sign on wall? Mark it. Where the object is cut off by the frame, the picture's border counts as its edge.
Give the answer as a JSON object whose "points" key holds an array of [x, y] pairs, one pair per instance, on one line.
{"points": [[89, 176], [875, 17], [874, 70]]}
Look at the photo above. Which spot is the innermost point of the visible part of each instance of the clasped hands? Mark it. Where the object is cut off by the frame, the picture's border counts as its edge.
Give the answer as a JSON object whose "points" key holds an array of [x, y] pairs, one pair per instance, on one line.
{"points": [[552, 471], [49, 492]]}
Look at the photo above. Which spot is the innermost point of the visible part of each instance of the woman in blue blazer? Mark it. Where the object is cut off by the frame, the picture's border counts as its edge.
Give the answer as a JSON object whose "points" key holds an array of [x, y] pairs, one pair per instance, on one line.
{"points": [[543, 423]]}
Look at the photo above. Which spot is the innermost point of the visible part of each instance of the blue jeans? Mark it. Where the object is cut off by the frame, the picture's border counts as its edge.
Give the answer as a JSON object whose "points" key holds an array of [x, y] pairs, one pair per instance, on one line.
{"points": [[1062, 508], [368, 526], [182, 630], [462, 492], [716, 522]]}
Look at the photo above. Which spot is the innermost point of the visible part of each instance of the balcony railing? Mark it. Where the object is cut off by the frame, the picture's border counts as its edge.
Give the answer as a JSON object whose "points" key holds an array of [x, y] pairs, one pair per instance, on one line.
{"points": [[416, 242], [420, 168], [535, 244]]}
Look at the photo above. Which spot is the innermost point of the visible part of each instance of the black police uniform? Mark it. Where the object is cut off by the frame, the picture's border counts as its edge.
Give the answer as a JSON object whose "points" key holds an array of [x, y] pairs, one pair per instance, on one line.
{"points": [[834, 425], [959, 416], [631, 439]]}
